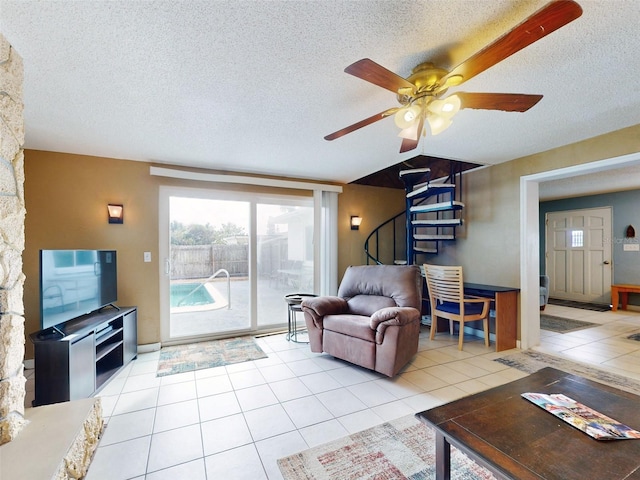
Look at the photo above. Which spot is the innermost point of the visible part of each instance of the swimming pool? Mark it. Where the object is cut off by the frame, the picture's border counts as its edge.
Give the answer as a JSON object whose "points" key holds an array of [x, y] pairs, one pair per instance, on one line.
{"points": [[189, 295]]}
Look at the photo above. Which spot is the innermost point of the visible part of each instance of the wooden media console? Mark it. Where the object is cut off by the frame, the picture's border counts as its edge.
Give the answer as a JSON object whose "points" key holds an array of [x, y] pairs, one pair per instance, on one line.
{"points": [[90, 350]]}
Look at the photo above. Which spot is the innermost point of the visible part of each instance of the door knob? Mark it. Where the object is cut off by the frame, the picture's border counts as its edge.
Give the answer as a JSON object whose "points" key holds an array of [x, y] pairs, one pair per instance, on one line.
{"points": [[606, 262]]}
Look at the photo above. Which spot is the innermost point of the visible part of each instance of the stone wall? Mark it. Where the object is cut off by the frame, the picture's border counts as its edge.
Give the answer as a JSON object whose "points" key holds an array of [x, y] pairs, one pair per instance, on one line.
{"points": [[12, 214]]}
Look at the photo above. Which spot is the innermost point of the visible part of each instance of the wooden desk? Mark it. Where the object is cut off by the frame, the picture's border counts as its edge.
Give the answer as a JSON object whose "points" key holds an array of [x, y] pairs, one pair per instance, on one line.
{"points": [[515, 439], [621, 292], [506, 308]]}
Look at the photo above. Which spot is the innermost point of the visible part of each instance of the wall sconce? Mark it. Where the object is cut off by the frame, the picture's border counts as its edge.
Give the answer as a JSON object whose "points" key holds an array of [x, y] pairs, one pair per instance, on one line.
{"points": [[355, 222], [631, 232], [116, 213]]}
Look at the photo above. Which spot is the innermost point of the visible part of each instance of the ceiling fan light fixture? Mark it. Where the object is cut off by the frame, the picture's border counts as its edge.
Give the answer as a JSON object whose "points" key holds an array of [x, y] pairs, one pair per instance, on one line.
{"points": [[428, 83], [438, 123], [406, 117], [411, 132], [447, 107]]}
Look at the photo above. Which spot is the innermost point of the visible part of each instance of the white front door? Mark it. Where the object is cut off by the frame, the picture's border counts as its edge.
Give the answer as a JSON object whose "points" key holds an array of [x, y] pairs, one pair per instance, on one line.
{"points": [[578, 254]]}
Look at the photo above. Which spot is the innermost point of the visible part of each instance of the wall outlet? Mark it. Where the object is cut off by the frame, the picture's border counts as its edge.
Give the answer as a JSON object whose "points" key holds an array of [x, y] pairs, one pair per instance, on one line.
{"points": [[147, 256]]}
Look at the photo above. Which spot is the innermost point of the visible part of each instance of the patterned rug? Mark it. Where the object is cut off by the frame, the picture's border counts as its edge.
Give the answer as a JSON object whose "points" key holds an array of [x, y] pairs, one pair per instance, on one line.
{"points": [[531, 361], [596, 307], [216, 353], [405, 448], [563, 325], [402, 448]]}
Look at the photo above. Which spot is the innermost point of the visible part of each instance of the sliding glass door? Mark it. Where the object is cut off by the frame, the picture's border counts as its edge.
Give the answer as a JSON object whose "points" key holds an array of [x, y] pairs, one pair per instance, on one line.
{"points": [[284, 241], [208, 249], [229, 259]]}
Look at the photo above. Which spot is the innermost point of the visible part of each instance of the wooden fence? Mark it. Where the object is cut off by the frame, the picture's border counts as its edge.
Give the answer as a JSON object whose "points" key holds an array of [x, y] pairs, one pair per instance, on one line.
{"points": [[201, 261]]}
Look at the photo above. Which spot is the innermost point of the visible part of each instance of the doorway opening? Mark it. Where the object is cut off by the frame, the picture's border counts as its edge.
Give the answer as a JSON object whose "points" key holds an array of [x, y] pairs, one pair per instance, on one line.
{"points": [[530, 238]]}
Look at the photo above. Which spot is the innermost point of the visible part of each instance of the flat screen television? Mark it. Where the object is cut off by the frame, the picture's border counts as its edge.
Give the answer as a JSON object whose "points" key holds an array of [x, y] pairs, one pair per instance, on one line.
{"points": [[74, 283]]}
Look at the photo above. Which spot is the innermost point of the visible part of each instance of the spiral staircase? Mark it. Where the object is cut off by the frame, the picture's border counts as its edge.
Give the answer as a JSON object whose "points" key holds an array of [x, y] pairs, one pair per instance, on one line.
{"points": [[432, 213]]}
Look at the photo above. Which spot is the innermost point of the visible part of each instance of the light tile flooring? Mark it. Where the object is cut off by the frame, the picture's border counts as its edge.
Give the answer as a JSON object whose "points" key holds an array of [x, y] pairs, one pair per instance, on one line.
{"points": [[606, 346], [234, 422]]}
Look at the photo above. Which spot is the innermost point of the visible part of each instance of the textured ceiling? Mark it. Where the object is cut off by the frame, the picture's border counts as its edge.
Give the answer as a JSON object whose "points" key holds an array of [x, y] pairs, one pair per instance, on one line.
{"points": [[254, 86]]}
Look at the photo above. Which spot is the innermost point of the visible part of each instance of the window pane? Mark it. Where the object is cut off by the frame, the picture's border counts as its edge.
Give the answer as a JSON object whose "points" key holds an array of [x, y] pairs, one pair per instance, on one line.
{"points": [[577, 238], [210, 288], [284, 256]]}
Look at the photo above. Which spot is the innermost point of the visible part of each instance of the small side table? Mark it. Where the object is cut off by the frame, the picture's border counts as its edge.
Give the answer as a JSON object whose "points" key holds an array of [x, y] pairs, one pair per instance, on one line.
{"points": [[294, 301], [621, 293]]}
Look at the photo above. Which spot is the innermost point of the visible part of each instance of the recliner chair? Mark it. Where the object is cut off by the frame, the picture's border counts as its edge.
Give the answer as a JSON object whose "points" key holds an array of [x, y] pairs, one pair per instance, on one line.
{"points": [[374, 321]]}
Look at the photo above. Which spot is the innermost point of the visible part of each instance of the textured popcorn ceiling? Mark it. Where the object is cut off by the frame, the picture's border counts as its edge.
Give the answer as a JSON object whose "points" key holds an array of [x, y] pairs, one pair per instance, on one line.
{"points": [[254, 86]]}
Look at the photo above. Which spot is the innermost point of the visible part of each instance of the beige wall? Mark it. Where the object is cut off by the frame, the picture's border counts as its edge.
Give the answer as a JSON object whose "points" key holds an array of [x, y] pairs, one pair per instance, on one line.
{"points": [[66, 198], [489, 245], [66, 201], [375, 205]]}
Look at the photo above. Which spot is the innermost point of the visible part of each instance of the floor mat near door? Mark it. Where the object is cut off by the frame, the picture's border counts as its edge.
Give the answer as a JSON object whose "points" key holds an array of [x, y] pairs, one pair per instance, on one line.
{"points": [[596, 307], [214, 353], [563, 325]]}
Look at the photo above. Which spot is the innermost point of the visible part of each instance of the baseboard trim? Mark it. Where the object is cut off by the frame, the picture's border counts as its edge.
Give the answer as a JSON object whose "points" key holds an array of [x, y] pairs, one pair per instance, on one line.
{"points": [[149, 347]]}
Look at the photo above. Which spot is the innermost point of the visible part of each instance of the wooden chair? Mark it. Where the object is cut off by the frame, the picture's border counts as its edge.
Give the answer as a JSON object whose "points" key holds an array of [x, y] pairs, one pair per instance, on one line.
{"points": [[447, 298]]}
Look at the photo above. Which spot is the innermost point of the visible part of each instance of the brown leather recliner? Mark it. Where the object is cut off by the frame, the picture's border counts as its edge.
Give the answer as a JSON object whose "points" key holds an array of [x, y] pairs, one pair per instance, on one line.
{"points": [[374, 321]]}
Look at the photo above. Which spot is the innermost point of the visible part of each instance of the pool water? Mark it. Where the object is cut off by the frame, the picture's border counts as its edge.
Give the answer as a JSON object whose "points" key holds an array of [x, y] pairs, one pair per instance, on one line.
{"points": [[180, 295]]}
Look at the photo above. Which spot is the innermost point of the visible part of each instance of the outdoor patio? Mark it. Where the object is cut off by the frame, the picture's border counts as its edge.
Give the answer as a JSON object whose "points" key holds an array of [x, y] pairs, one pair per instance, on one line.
{"points": [[271, 309]]}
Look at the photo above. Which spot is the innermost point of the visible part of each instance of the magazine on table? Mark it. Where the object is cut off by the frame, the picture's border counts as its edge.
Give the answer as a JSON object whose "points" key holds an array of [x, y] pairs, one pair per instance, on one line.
{"points": [[583, 418]]}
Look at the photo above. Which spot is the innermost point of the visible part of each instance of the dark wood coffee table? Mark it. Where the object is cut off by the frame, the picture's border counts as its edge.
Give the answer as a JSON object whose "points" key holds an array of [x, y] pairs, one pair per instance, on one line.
{"points": [[515, 439]]}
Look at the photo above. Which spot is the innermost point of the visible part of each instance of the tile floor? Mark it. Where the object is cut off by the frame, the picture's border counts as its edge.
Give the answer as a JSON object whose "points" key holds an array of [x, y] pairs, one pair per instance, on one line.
{"points": [[234, 422], [605, 346]]}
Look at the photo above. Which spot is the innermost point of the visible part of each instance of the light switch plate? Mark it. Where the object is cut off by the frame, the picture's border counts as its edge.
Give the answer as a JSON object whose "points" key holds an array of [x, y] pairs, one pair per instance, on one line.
{"points": [[147, 256], [631, 247]]}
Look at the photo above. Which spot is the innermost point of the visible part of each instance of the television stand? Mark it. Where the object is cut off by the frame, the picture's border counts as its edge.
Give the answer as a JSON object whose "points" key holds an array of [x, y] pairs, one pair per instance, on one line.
{"points": [[89, 351], [112, 305], [50, 333]]}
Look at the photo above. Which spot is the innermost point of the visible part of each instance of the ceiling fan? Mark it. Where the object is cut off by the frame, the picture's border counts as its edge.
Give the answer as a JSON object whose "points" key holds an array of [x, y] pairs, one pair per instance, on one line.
{"points": [[421, 95]]}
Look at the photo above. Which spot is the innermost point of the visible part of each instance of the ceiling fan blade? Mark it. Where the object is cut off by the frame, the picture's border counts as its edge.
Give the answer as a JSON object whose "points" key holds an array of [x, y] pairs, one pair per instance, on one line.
{"points": [[411, 132], [410, 143], [548, 19], [370, 71], [508, 102], [362, 123]]}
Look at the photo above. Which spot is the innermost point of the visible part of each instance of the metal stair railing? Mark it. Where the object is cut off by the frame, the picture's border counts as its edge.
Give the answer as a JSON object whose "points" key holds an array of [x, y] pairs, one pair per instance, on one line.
{"points": [[455, 177], [376, 235], [202, 284]]}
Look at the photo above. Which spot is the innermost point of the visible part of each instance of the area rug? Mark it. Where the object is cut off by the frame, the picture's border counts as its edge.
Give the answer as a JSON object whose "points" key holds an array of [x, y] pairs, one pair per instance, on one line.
{"points": [[399, 449], [531, 361], [216, 353], [563, 325], [405, 448], [596, 307]]}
